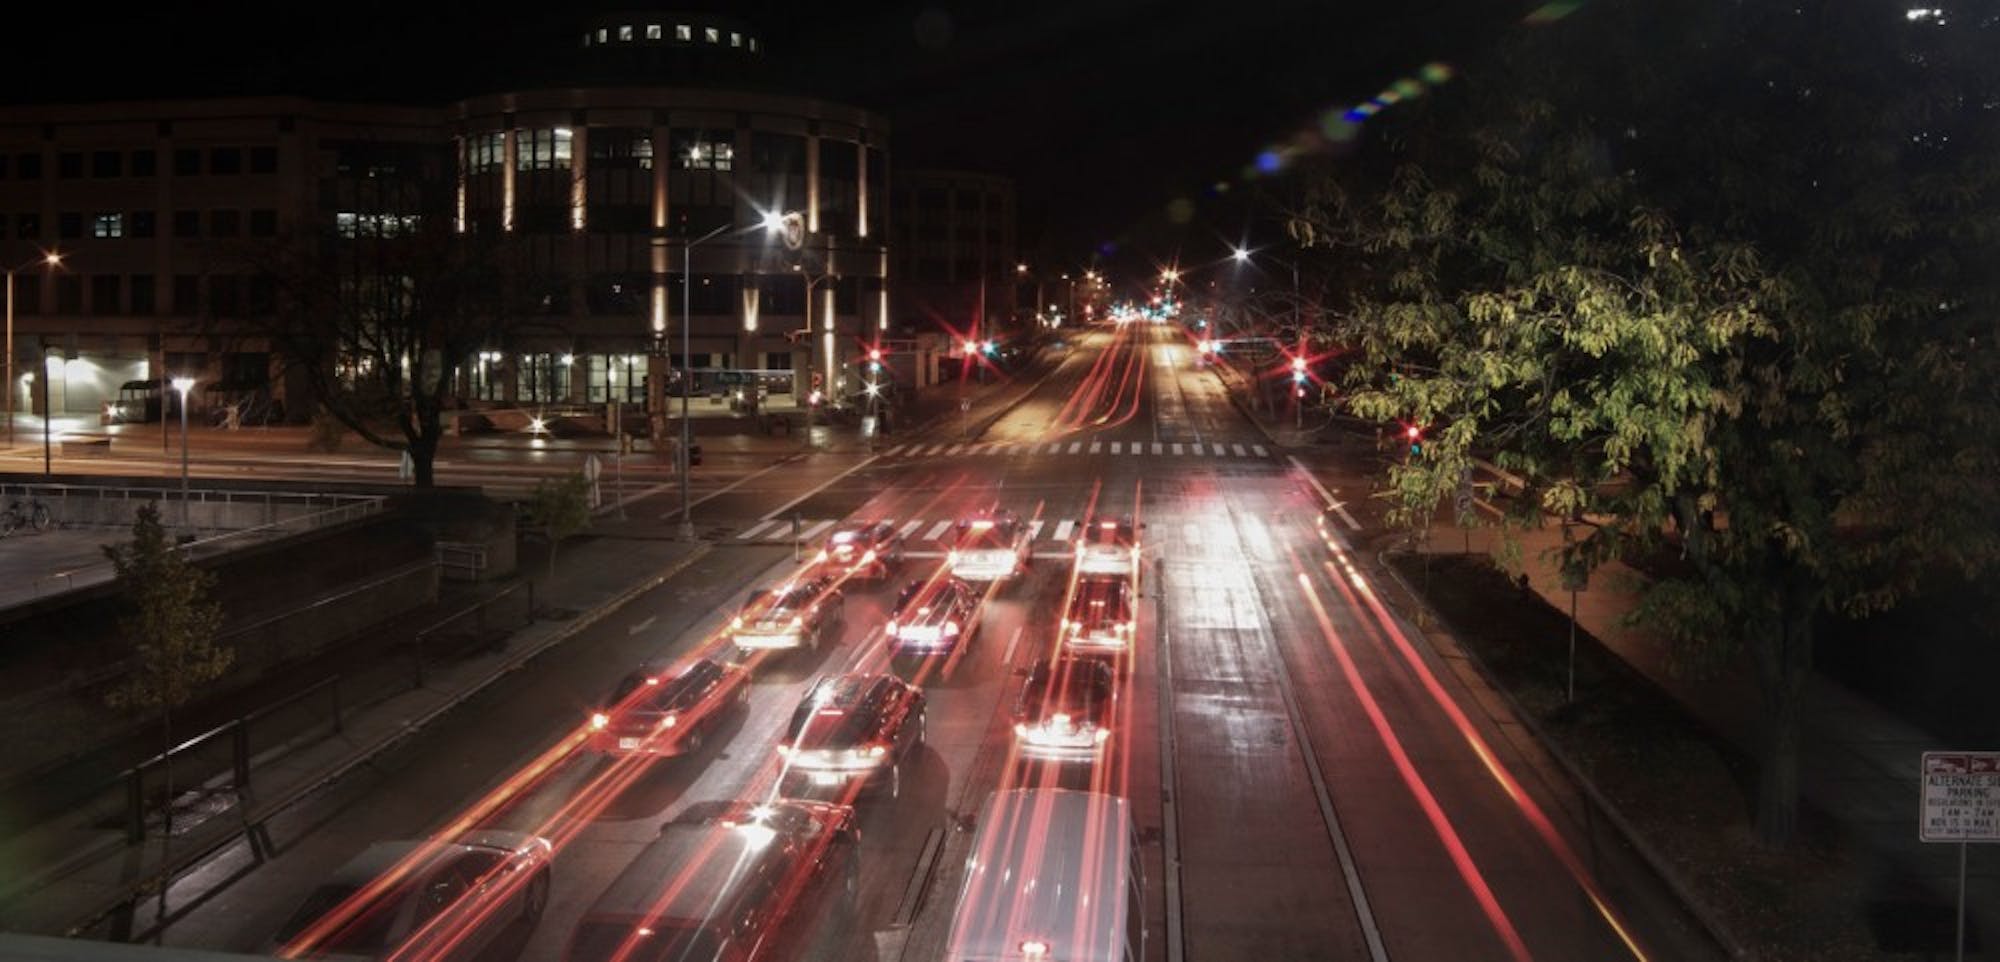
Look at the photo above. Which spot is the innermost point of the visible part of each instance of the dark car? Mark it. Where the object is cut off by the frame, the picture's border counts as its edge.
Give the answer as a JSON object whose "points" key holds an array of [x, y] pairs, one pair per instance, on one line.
{"points": [[800, 613], [932, 618], [851, 733], [447, 899], [864, 550], [658, 711], [1065, 710], [1099, 620], [724, 882]]}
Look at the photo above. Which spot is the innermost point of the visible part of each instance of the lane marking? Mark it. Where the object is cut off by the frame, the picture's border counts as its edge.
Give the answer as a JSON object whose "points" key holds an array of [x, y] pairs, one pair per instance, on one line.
{"points": [[814, 530], [642, 626], [1157, 449], [912, 526], [1116, 448], [1062, 529], [1324, 494], [1034, 529], [936, 530], [795, 502], [1007, 657], [1239, 451], [1075, 446], [751, 534], [1053, 448], [1096, 446], [1260, 450], [1177, 448]]}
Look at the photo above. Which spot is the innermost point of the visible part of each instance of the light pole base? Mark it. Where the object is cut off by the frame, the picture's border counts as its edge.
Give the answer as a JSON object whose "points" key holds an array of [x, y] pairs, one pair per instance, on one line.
{"points": [[684, 530]]}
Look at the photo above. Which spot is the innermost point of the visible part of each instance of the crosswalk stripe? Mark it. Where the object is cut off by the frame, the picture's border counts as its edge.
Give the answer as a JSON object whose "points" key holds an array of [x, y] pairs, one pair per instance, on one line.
{"points": [[1156, 447], [1075, 446], [1218, 450], [754, 529], [1062, 529], [1135, 448], [955, 450], [1053, 448], [896, 451], [1116, 448], [1239, 451], [936, 449], [905, 530], [1034, 529], [1260, 450], [1096, 446], [1177, 448], [814, 531], [936, 529], [1191, 533]]}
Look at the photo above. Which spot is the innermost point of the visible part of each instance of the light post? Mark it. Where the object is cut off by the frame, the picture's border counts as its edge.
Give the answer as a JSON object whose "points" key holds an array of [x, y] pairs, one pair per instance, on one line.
{"points": [[184, 385], [687, 369], [49, 259]]}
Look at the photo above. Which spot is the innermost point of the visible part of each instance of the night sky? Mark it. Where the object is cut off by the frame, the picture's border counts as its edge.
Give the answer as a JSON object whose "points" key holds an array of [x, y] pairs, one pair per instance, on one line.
{"points": [[1105, 111]]}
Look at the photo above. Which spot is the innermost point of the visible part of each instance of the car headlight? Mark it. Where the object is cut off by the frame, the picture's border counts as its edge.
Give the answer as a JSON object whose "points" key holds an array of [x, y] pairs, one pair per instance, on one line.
{"points": [[891, 627], [670, 720], [736, 623], [598, 720]]}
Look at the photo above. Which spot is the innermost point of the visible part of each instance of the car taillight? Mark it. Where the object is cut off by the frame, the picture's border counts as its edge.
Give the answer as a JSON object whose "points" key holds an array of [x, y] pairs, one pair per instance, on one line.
{"points": [[785, 751], [1103, 735], [950, 628], [1021, 729], [598, 720], [868, 557], [736, 622], [877, 751]]}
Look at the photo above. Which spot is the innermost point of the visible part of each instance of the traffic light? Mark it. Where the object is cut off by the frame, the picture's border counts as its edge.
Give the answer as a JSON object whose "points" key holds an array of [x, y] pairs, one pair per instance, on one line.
{"points": [[874, 360], [1416, 436], [990, 347], [1299, 370], [971, 347]]}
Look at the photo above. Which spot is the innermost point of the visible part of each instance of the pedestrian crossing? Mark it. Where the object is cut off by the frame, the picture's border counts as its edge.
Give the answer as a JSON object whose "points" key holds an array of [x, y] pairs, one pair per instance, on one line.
{"points": [[921, 534], [1113, 449]]}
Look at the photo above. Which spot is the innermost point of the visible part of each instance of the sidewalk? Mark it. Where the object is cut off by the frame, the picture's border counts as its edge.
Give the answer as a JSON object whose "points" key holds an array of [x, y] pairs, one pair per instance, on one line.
{"points": [[66, 870]]}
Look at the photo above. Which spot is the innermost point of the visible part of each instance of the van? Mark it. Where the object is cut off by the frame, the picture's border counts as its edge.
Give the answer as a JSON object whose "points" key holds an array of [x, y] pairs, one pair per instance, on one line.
{"points": [[1053, 874], [723, 883]]}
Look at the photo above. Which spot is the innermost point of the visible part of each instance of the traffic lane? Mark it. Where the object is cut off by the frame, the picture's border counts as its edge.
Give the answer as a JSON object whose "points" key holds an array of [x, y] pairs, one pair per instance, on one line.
{"points": [[1035, 417], [1537, 894], [419, 785]]}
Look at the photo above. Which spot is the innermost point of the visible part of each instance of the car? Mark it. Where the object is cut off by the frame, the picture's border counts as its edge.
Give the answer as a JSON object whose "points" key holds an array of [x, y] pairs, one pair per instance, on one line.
{"points": [[989, 546], [1099, 619], [933, 618], [656, 710], [801, 613], [851, 734], [1065, 710], [423, 899], [1108, 546], [864, 550], [724, 882]]}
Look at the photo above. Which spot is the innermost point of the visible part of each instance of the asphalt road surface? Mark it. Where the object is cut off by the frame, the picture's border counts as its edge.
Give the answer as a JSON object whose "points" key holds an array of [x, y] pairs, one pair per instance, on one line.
{"points": [[1311, 777]]}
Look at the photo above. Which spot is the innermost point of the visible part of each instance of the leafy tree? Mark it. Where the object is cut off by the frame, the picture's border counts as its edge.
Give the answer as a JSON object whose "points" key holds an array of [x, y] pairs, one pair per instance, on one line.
{"points": [[1714, 279], [172, 628], [561, 507]]}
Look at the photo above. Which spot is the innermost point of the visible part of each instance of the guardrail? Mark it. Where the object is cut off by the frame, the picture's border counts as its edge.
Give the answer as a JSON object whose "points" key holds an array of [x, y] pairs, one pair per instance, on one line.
{"points": [[342, 508]]}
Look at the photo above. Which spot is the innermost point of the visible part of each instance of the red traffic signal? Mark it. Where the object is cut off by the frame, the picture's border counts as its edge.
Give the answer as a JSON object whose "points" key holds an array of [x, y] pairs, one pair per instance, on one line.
{"points": [[875, 354], [1298, 365], [1413, 432]]}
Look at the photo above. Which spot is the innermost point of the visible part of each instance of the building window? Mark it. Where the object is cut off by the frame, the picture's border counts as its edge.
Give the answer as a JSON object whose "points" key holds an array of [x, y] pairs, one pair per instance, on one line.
{"points": [[69, 164], [603, 35], [142, 163], [142, 295], [187, 223], [349, 224], [683, 32], [107, 163], [3, 165], [546, 148], [704, 150], [652, 31], [735, 39], [225, 160], [711, 34], [625, 32], [142, 223], [224, 295], [620, 148], [28, 226], [753, 44], [263, 160], [485, 152], [69, 225], [263, 295], [69, 294], [28, 166], [187, 294], [187, 162], [104, 293], [225, 223], [263, 223], [107, 226]]}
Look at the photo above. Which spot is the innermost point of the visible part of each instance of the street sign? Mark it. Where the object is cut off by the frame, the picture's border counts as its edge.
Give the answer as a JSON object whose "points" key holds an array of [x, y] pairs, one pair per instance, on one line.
{"points": [[1961, 797]]}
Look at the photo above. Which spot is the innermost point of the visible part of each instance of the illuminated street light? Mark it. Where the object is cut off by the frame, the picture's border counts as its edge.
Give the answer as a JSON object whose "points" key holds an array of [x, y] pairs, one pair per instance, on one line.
{"points": [[50, 259], [184, 385]]}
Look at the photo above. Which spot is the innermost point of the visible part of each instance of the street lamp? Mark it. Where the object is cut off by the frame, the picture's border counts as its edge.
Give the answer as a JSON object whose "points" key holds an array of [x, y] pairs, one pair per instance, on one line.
{"points": [[184, 385], [49, 259], [687, 368]]}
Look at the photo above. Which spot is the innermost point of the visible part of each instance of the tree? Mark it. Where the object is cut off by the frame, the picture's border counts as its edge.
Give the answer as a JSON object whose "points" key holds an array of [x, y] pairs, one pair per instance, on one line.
{"points": [[381, 310], [171, 627], [561, 506], [1713, 278]]}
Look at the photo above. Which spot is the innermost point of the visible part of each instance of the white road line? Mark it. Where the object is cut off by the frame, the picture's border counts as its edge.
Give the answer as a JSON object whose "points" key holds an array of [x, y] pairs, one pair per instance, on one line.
{"points": [[912, 526], [1178, 448], [1260, 450], [955, 449], [1096, 446], [1324, 494], [1117, 448], [1063, 528], [814, 530], [642, 626], [752, 533], [1217, 449], [892, 452], [1053, 449], [936, 530], [1034, 529], [1075, 446], [1007, 657], [795, 502], [1239, 451], [1156, 447], [1136, 451]]}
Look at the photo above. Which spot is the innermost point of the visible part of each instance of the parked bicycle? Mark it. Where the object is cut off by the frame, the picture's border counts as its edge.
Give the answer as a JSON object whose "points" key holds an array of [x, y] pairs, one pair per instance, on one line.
{"points": [[31, 513]]}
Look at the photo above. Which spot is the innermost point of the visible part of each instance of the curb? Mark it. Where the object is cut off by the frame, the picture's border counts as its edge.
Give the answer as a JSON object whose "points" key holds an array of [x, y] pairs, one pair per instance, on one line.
{"points": [[361, 756], [1662, 869], [1236, 402]]}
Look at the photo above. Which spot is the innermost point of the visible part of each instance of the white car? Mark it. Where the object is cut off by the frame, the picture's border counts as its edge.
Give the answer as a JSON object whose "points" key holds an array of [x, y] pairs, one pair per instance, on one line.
{"points": [[991, 546], [1107, 546]]}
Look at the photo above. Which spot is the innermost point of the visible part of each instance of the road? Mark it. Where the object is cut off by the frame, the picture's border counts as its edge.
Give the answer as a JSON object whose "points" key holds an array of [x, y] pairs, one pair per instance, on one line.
{"points": [[1311, 777]]}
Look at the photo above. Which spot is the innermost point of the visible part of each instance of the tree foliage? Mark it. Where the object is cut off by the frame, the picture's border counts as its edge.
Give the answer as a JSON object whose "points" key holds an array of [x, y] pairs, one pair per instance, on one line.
{"points": [[1716, 279], [172, 624]]}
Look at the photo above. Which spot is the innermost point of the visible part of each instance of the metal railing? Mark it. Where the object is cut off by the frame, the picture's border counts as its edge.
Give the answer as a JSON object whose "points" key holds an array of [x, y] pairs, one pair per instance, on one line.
{"points": [[462, 560], [476, 625]]}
